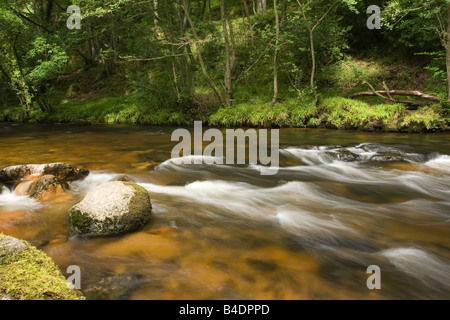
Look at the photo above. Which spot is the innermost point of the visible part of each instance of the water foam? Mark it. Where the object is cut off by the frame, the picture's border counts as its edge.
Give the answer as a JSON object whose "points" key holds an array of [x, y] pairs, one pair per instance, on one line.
{"points": [[420, 264], [440, 162], [9, 201]]}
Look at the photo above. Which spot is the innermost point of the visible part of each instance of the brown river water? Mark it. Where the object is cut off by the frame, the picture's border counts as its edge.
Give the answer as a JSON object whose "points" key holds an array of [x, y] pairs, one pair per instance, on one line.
{"points": [[228, 232]]}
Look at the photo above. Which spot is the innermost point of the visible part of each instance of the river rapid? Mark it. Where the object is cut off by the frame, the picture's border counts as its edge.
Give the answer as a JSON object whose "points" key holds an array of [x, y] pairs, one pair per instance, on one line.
{"points": [[228, 232]]}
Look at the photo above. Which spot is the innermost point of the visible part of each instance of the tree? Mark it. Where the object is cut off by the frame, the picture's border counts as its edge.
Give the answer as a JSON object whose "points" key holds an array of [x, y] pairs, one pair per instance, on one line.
{"points": [[420, 24], [199, 54], [261, 6], [230, 52], [249, 21], [312, 23], [275, 58]]}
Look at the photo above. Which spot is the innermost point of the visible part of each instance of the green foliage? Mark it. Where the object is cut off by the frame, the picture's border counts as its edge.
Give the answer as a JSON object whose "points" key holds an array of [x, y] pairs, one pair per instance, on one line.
{"points": [[426, 118], [134, 62], [46, 62], [445, 105]]}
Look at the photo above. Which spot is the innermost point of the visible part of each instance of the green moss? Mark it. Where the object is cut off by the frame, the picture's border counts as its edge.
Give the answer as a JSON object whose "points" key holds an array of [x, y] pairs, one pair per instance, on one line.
{"points": [[76, 219], [31, 275], [139, 206]]}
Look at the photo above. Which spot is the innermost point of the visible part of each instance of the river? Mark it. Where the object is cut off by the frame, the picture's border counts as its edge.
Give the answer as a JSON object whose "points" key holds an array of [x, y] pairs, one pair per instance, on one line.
{"points": [[228, 232]]}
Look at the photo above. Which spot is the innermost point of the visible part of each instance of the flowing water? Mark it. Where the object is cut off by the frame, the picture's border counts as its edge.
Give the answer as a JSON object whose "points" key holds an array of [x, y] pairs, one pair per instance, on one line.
{"points": [[228, 232]]}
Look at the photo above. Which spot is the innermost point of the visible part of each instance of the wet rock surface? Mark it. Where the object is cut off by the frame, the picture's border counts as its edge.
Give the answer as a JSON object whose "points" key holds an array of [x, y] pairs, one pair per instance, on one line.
{"points": [[111, 208]]}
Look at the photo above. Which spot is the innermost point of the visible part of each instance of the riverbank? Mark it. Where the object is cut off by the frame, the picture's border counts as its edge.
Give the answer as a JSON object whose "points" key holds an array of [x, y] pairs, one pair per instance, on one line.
{"points": [[331, 112]]}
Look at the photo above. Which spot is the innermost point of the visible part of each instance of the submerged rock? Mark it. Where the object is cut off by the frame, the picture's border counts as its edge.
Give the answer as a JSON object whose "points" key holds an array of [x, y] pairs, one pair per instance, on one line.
{"points": [[122, 177], [43, 188], [111, 208], [64, 171], [114, 288], [387, 157], [345, 155], [376, 148]]}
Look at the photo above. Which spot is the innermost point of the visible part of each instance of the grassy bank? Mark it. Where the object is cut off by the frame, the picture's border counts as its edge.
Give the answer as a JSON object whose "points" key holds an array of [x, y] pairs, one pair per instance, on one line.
{"points": [[331, 112]]}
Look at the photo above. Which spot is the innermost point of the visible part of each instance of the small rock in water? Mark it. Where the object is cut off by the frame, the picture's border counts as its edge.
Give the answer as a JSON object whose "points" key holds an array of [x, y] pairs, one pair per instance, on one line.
{"points": [[390, 157], [43, 188], [116, 287], [372, 147], [345, 155]]}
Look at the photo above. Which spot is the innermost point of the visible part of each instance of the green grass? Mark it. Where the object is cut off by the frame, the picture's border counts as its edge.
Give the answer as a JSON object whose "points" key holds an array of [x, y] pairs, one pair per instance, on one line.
{"points": [[332, 112], [291, 113], [425, 119], [125, 109], [341, 113]]}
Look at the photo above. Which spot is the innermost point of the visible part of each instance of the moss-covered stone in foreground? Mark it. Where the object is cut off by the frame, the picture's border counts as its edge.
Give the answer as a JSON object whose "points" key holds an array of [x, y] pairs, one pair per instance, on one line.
{"points": [[30, 274]]}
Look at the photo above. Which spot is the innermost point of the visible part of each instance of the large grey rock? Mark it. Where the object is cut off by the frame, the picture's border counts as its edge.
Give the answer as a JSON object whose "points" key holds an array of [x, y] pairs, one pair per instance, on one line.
{"points": [[111, 208], [64, 171]]}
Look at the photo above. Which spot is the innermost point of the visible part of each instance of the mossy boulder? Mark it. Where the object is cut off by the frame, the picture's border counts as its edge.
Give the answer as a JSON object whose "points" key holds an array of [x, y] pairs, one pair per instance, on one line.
{"points": [[43, 188], [111, 208], [27, 273], [64, 171]]}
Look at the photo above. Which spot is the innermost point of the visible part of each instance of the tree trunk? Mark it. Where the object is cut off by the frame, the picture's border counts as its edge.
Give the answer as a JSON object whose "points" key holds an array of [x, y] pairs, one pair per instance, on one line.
{"points": [[229, 52], [210, 10], [199, 54], [284, 10], [311, 29], [261, 6], [313, 66], [447, 49], [275, 58], [250, 26], [18, 81]]}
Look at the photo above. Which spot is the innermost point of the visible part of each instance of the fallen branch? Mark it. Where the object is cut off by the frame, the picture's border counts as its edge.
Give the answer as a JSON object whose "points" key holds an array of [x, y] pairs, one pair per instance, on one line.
{"points": [[388, 94]]}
